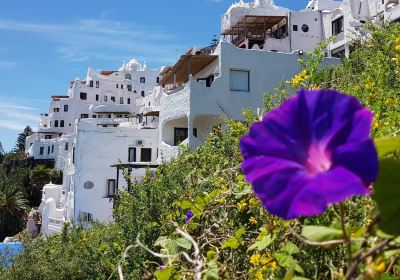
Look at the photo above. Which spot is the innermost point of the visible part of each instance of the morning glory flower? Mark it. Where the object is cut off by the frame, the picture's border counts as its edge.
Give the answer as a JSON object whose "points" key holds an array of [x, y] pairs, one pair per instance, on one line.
{"points": [[313, 151], [189, 216]]}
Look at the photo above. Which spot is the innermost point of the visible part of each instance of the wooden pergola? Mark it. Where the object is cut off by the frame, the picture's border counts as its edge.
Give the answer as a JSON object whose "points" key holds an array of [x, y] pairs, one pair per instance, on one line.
{"points": [[253, 27], [188, 64]]}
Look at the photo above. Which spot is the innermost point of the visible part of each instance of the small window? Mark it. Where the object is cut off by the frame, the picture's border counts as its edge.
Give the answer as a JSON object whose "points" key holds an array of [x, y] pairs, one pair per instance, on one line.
{"points": [[305, 28], [128, 76], [180, 135], [158, 80], [66, 146], [52, 149], [83, 95], [129, 87], [337, 26], [240, 80], [41, 151], [135, 91], [62, 123], [142, 80], [128, 101], [73, 155], [56, 123], [90, 83], [145, 154], [48, 150], [132, 155], [142, 93], [111, 187], [121, 100], [56, 110], [195, 132], [117, 85], [295, 27], [65, 108], [97, 97], [48, 137], [122, 86], [84, 116], [113, 98], [97, 84], [105, 98]]}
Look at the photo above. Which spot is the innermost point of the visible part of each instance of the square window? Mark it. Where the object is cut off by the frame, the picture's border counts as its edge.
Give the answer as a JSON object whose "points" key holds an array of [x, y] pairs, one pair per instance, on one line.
{"points": [[180, 135], [145, 155], [295, 27], [240, 80], [83, 95], [113, 98]]}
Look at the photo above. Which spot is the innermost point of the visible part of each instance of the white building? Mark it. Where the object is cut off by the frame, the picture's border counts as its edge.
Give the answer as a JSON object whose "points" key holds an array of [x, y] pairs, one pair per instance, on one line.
{"points": [[117, 122]]}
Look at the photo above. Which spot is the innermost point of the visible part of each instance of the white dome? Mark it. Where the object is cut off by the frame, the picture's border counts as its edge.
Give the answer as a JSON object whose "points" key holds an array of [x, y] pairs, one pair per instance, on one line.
{"points": [[132, 65]]}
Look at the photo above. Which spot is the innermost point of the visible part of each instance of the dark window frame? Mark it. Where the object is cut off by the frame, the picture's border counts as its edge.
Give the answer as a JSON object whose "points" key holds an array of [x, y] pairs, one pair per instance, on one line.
{"points": [[145, 154], [130, 159], [178, 139]]}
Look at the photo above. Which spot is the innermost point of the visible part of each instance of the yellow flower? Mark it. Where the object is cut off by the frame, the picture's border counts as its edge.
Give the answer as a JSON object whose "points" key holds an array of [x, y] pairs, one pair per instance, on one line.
{"points": [[397, 47], [242, 205], [255, 259], [398, 40], [369, 85], [253, 201], [253, 221]]}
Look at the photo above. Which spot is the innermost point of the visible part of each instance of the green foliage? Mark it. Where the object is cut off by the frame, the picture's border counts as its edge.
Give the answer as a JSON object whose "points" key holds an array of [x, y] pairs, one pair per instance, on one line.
{"points": [[20, 145]]}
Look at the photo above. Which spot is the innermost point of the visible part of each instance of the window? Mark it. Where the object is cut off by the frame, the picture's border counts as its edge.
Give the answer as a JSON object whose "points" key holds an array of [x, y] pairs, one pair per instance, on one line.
{"points": [[132, 155], [52, 148], [128, 101], [121, 100], [135, 91], [65, 108], [122, 86], [66, 146], [62, 123], [337, 26], [88, 185], [73, 155], [84, 116], [145, 154], [48, 137], [305, 28], [41, 151], [56, 123], [97, 97], [339, 52], [113, 98], [111, 187], [83, 95], [142, 80], [128, 76], [240, 80], [48, 150], [56, 110], [295, 27], [129, 87], [195, 132], [158, 80], [97, 84], [117, 85], [180, 135], [142, 93], [90, 83], [105, 98]]}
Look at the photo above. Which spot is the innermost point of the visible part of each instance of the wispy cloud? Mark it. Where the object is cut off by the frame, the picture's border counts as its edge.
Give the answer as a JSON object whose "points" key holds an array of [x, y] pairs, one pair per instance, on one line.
{"points": [[7, 64], [101, 39], [16, 116]]}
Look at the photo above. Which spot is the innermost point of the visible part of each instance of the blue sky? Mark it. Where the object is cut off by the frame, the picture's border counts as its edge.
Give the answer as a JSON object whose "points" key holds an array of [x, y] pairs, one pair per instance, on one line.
{"points": [[45, 43]]}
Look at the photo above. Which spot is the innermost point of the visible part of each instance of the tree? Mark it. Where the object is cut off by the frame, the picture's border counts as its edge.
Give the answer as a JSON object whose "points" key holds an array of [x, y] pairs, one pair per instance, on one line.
{"points": [[12, 207], [40, 176], [20, 145], [1, 153]]}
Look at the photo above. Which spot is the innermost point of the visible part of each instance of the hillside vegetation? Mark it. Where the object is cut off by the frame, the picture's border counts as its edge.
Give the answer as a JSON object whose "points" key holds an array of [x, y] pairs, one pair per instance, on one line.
{"points": [[197, 217]]}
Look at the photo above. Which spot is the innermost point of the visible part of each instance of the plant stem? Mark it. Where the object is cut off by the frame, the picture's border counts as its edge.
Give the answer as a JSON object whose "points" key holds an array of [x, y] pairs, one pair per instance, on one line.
{"points": [[347, 238]]}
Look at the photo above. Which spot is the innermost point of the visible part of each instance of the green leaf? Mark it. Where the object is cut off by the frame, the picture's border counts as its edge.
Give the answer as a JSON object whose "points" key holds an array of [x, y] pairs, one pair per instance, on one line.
{"points": [[164, 274], [231, 242], [212, 272], [387, 145], [264, 242], [321, 234], [386, 276], [284, 260], [387, 195], [184, 243], [239, 233], [290, 248], [186, 204]]}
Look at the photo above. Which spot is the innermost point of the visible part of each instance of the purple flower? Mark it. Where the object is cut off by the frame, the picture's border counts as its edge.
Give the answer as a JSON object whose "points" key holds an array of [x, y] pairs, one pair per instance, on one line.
{"points": [[312, 151], [189, 216]]}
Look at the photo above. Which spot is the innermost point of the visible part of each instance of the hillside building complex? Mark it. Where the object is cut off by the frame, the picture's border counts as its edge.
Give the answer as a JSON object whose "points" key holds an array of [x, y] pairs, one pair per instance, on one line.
{"points": [[121, 121]]}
